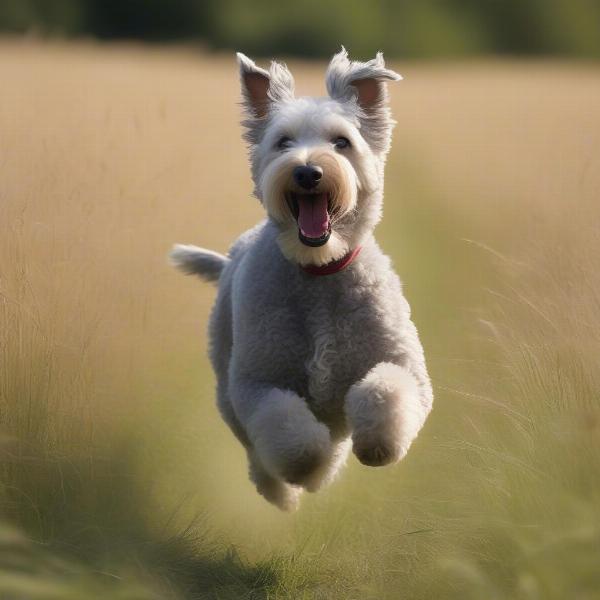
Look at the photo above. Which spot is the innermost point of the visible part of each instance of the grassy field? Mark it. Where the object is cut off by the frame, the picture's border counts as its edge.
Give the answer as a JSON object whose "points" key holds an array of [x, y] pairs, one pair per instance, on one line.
{"points": [[117, 477]]}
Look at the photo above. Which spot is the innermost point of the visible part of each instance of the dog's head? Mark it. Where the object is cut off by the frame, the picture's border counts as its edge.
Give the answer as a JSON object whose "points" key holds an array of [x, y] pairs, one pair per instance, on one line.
{"points": [[317, 163]]}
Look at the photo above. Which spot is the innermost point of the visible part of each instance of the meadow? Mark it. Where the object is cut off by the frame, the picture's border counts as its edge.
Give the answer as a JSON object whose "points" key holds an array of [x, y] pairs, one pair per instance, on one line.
{"points": [[118, 478]]}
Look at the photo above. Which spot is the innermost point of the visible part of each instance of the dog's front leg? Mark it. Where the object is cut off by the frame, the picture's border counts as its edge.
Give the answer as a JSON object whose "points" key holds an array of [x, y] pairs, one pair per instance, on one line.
{"points": [[286, 437], [385, 411]]}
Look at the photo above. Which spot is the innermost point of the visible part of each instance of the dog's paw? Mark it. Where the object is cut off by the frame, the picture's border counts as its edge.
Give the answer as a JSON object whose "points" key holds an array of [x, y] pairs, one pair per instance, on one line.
{"points": [[287, 498], [385, 414], [283, 495], [289, 441], [377, 454]]}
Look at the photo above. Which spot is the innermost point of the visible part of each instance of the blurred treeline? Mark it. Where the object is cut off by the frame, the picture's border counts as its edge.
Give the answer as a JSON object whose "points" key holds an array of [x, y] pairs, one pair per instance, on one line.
{"points": [[313, 28]]}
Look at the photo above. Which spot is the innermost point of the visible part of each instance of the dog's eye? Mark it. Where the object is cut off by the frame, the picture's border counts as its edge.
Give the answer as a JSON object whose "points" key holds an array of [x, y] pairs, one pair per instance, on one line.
{"points": [[283, 143], [341, 142]]}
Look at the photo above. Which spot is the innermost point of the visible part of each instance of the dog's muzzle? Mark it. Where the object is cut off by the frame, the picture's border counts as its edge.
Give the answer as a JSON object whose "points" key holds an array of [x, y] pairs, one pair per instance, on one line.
{"points": [[312, 214]]}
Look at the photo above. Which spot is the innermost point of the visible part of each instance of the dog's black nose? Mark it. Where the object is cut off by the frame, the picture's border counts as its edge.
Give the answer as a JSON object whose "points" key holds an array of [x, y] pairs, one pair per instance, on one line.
{"points": [[308, 177]]}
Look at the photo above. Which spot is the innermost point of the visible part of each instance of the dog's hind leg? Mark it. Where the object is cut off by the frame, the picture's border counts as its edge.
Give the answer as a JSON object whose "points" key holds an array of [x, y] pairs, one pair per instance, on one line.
{"points": [[221, 343], [328, 470], [339, 455], [284, 495]]}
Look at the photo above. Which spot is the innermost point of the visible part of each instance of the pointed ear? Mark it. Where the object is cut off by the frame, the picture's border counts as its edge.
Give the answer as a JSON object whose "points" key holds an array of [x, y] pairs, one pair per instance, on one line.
{"points": [[365, 83], [255, 86], [261, 88]]}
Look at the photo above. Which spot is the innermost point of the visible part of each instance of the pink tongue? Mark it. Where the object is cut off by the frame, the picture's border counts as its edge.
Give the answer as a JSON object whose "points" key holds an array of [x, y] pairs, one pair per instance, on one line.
{"points": [[313, 217]]}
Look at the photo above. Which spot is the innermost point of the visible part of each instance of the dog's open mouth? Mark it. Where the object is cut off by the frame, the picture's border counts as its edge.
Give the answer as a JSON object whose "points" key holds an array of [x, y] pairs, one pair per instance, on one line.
{"points": [[312, 213]]}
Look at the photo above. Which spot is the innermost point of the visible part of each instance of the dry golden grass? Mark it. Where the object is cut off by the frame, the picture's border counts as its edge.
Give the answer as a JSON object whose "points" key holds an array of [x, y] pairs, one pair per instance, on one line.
{"points": [[110, 154]]}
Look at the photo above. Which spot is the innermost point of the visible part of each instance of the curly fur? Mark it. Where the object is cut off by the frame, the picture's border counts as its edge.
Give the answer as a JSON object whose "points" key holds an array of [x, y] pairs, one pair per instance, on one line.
{"points": [[307, 366]]}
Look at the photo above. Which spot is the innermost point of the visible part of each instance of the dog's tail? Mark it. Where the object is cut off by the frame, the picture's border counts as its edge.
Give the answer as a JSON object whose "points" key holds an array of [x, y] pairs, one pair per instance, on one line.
{"points": [[193, 260]]}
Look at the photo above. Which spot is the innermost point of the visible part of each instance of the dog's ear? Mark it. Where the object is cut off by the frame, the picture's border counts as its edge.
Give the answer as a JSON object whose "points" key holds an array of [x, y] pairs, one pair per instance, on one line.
{"points": [[261, 88], [365, 84]]}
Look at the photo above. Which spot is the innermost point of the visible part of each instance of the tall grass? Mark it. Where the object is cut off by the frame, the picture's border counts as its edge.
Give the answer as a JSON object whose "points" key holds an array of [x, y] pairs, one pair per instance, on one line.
{"points": [[118, 478]]}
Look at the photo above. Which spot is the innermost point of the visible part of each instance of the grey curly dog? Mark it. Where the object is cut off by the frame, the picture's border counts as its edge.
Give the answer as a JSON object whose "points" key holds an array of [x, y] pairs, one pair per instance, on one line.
{"points": [[311, 338]]}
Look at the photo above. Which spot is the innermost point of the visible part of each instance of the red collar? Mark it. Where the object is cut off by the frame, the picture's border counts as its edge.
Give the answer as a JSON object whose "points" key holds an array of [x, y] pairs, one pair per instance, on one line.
{"points": [[334, 266]]}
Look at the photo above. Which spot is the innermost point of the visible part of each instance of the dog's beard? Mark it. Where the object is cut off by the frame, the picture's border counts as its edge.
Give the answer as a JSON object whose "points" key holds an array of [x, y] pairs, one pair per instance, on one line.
{"points": [[311, 223]]}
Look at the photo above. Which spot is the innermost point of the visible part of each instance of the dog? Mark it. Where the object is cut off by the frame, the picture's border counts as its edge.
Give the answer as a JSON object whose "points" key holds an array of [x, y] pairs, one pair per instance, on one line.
{"points": [[311, 339]]}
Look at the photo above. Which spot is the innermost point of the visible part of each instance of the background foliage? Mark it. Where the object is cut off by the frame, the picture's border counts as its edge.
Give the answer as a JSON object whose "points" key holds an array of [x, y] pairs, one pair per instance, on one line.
{"points": [[312, 28]]}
